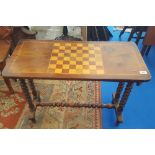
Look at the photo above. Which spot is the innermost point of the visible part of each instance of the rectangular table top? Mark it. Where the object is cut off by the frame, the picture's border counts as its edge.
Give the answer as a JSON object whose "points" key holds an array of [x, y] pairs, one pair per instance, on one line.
{"points": [[77, 60], [4, 49]]}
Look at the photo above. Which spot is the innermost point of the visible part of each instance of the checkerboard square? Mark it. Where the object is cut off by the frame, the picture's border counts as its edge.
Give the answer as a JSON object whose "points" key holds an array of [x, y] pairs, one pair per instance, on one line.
{"points": [[61, 54], [66, 62], [73, 51], [79, 55], [72, 66], [85, 55], [85, 52], [66, 54], [79, 71], [79, 48], [73, 48], [65, 70], [65, 66], [73, 58], [85, 63], [79, 51], [79, 59], [58, 70], [72, 62], [62, 47], [67, 51], [79, 67], [79, 62], [67, 58], [60, 58], [72, 71], [85, 67], [85, 48], [73, 54], [59, 62], [58, 66], [86, 59]]}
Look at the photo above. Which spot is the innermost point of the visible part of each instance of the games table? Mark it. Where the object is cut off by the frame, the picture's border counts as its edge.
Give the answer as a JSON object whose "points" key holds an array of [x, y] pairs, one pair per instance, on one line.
{"points": [[77, 60]]}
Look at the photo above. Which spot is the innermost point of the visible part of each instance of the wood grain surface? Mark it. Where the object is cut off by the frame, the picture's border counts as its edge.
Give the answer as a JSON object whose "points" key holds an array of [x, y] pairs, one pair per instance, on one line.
{"points": [[120, 61]]}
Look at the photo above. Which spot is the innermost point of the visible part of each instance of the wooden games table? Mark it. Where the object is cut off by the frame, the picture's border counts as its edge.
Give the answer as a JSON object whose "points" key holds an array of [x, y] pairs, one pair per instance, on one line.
{"points": [[69, 60]]}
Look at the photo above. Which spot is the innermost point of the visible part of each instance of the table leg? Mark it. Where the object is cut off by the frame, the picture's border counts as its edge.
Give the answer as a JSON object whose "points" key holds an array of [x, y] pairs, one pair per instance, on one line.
{"points": [[138, 37], [6, 80], [33, 89], [8, 84], [116, 96], [29, 99], [143, 50], [131, 34], [122, 32], [123, 101], [148, 50]]}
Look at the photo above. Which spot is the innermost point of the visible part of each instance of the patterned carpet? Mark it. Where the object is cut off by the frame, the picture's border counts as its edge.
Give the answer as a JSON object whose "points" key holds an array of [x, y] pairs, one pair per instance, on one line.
{"points": [[14, 112]]}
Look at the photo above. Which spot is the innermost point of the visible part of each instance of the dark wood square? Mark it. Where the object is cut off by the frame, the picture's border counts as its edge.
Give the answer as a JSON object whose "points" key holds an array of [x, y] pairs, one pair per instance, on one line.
{"points": [[65, 70]]}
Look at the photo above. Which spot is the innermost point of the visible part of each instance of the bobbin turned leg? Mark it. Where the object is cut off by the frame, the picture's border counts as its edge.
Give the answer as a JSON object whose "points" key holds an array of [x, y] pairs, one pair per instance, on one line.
{"points": [[143, 51], [148, 50], [123, 101], [35, 93], [116, 96], [29, 99]]}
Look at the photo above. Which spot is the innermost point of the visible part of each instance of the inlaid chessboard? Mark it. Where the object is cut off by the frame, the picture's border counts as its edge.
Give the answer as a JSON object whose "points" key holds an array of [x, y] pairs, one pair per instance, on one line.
{"points": [[79, 58]]}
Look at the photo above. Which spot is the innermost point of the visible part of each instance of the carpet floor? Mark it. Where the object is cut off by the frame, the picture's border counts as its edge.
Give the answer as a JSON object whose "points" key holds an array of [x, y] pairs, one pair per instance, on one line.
{"points": [[14, 111]]}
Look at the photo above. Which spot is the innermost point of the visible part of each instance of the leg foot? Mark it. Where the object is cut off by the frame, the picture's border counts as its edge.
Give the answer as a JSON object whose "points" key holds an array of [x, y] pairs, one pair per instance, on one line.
{"points": [[8, 83], [32, 117]]}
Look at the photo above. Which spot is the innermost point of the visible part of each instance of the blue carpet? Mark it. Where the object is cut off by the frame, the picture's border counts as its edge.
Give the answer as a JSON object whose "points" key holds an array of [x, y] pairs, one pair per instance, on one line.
{"points": [[139, 112]]}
